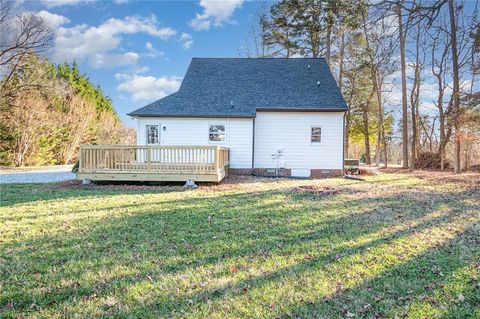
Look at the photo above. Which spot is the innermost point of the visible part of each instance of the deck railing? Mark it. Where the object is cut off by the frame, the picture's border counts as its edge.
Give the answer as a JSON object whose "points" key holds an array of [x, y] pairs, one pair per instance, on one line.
{"points": [[153, 159]]}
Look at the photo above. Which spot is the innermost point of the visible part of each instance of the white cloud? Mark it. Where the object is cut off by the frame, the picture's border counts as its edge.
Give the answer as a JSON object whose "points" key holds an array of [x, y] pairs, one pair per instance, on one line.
{"points": [[147, 88], [186, 40], [51, 19], [100, 60], [140, 70], [136, 24], [96, 44], [152, 52], [59, 3], [215, 13]]}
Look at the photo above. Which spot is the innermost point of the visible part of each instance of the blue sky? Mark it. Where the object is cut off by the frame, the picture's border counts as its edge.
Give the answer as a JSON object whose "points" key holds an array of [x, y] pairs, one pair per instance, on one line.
{"points": [[138, 51]]}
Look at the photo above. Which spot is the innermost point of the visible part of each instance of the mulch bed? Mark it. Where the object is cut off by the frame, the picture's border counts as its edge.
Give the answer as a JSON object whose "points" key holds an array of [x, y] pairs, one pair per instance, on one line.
{"points": [[317, 190], [371, 171]]}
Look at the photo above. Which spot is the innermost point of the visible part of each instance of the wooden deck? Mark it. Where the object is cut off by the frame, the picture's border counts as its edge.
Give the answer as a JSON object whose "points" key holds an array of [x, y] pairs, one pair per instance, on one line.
{"points": [[153, 163]]}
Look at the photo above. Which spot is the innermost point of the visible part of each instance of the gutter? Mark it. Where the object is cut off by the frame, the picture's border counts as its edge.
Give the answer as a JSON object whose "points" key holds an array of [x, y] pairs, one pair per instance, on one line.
{"points": [[253, 146], [300, 110], [343, 144], [191, 116]]}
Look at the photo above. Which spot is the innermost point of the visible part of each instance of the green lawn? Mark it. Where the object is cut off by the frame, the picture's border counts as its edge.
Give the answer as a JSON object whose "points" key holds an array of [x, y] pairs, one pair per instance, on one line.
{"points": [[395, 246]]}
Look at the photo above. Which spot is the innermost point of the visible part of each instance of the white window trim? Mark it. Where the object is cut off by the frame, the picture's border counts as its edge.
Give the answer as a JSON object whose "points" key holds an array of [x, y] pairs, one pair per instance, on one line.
{"points": [[146, 134], [208, 133], [321, 135]]}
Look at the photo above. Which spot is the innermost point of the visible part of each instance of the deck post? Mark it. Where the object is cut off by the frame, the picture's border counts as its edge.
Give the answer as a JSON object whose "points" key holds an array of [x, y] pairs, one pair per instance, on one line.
{"points": [[149, 160], [80, 160], [217, 159]]}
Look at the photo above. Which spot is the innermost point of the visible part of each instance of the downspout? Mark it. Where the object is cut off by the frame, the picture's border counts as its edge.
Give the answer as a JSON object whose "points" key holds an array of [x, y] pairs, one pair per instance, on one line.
{"points": [[253, 146], [343, 144]]}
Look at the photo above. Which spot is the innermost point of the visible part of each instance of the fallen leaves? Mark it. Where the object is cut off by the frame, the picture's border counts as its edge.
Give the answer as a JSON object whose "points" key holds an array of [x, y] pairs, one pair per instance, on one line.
{"points": [[110, 301]]}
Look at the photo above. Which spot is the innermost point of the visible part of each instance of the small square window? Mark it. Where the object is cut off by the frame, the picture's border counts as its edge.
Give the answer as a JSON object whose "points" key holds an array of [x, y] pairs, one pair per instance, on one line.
{"points": [[316, 134], [152, 134], [216, 133]]}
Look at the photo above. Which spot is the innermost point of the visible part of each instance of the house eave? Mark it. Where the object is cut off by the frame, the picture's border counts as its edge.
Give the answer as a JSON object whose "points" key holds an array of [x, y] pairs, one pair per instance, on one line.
{"points": [[191, 115], [270, 109]]}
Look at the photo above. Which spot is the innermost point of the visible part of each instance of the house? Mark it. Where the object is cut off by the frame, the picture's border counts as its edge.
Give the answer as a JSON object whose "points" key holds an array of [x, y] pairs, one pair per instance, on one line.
{"points": [[277, 116]]}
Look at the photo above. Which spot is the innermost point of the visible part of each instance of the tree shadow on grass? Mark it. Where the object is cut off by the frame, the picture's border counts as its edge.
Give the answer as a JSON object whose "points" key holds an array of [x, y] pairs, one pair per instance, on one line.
{"points": [[22, 193], [178, 239], [409, 286], [323, 261], [14, 194]]}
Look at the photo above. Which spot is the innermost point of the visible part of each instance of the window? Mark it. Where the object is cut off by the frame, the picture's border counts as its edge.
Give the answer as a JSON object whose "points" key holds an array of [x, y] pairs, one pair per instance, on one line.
{"points": [[316, 134], [152, 134], [216, 133]]}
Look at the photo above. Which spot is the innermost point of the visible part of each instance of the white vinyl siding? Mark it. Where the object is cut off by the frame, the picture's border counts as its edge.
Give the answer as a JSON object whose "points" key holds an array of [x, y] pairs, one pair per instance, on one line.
{"points": [[195, 131], [291, 132]]}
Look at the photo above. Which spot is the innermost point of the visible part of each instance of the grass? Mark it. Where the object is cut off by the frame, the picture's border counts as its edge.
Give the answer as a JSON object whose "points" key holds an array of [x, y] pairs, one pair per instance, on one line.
{"points": [[395, 246]]}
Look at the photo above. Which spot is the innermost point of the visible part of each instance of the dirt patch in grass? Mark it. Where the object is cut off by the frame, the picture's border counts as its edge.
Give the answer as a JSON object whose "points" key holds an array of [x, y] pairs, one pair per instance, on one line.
{"points": [[316, 190], [133, 186], [70, 184]]}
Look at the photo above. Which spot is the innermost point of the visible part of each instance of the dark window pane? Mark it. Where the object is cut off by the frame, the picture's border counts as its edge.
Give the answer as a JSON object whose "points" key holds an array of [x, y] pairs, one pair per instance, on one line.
{"points": [[316, 134], [152, 134], [217, 133]]}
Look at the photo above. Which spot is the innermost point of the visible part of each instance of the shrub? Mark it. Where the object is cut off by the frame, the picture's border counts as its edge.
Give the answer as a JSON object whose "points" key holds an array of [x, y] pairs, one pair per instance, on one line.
{"points": [[75, 167]]}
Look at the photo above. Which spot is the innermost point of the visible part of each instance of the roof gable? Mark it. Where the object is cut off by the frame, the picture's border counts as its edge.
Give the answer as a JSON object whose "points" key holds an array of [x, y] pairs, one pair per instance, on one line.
{"points": [[238, 87]]}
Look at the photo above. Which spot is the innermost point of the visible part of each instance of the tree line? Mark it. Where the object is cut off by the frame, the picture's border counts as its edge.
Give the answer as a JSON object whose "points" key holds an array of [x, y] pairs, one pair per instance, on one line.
{"points": [[46, 110], [431, 117]]}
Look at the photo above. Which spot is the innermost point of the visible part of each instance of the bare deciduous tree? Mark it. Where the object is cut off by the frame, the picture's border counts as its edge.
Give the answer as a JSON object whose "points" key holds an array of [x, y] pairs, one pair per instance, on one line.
{"points": [[21, 34], [456, 84]]}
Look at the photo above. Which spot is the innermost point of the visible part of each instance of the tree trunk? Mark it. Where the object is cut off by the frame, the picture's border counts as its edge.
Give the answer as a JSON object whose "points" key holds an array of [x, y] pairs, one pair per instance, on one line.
{"points": [[415, 101], [441, 148], [418, 120], [341, 62], [385, 154], [347, 129], [340, 86], [380, 132], [413, 147], [366, 134], [441, 119], [328, 45], [404, 89], [468, 152], [456, 86]]}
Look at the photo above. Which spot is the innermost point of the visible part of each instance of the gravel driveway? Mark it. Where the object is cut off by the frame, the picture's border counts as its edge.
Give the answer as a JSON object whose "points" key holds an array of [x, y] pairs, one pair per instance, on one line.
{"points": [[48, 175]]}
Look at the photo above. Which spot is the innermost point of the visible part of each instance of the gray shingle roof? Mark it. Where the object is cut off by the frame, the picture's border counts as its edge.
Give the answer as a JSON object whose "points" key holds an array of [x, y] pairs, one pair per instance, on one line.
{"points": [[212, 84]]}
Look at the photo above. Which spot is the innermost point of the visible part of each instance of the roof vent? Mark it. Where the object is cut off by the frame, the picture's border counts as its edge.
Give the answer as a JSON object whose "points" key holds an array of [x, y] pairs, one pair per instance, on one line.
{"points": [[318, 83], [231, 103], [308, 66]]}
